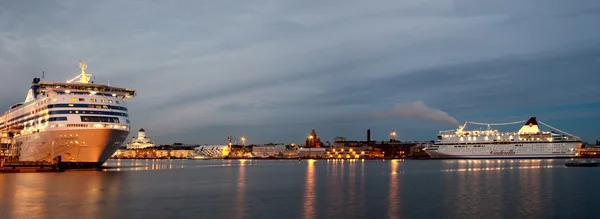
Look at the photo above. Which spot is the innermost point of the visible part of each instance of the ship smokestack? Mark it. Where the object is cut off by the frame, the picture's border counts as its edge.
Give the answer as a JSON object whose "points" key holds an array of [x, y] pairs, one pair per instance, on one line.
{"points": [[35, 85], [368, 136]]}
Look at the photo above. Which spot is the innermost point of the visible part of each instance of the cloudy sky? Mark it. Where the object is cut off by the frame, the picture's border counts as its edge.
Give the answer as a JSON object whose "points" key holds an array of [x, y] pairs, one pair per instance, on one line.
{"points": [[273, 69]]}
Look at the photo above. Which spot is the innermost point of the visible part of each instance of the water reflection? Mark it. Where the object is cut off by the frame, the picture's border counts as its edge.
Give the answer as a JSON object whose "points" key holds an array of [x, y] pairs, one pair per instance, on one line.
{"points": [[241, 187], [28, 197], [308, 205], [352, 199], [494, 165], [160, 164], [530, 186], [80, 194], [393, 199], [335, 191], [482, 186], [340, 189]]}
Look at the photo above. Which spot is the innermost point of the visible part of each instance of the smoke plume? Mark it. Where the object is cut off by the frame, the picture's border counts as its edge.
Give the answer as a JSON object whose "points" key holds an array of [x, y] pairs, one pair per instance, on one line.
{"points": [[418, 109]]}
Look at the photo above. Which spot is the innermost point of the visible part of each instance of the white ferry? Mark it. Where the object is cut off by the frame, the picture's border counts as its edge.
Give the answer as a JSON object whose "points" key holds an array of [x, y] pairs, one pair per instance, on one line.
{"points": [[528, 142], [82, 122]]}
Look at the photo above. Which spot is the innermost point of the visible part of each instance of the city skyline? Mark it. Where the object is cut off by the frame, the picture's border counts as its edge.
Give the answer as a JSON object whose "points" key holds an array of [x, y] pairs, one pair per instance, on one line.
{"points": [[272, 71]]}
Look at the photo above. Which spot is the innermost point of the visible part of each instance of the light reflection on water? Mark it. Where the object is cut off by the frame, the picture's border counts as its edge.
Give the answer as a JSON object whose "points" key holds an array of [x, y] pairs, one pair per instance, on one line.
{"points": [[394, 199], [241, 185], [305, 189], [309, 192]]}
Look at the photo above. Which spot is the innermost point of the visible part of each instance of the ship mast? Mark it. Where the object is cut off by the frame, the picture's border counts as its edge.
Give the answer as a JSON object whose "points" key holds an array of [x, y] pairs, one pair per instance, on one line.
{"points": [[83, 77]]}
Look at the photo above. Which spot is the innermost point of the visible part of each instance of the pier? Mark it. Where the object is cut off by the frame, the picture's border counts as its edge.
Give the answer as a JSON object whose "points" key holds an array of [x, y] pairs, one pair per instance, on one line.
{"points": [[12, 166]]}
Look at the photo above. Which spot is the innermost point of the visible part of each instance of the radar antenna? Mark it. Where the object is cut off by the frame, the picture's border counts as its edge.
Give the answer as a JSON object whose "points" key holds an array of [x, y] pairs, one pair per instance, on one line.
{"points": [[83, 77]]}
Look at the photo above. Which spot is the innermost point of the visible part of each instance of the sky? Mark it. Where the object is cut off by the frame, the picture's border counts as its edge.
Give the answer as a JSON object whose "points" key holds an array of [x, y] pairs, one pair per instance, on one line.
{"points": [[271, 70]]}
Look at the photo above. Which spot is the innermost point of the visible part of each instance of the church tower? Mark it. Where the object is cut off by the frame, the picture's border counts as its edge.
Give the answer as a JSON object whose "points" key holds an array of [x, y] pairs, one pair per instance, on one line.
{"points": [[313, 141]]}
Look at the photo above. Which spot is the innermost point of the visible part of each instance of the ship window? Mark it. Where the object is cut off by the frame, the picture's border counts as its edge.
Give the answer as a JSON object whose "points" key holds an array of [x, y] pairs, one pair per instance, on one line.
{"points": [[117, 102], [93, 100], [81, 99], [103, 100], [73, 99], [110, 101], [99, 119], [57, 119]]}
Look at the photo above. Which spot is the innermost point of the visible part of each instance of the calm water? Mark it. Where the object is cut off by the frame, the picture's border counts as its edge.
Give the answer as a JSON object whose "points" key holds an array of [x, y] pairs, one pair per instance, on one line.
{"points": [[307, 189]]}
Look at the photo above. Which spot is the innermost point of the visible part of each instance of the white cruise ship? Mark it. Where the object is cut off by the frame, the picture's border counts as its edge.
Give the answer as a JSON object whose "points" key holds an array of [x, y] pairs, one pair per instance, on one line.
{"points": [[528, 142], [82, 122]]}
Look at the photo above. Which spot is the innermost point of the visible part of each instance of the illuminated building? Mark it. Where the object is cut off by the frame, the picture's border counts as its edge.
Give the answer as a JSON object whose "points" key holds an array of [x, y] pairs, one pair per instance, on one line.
{"points": [[313, 141], [141, 141]]}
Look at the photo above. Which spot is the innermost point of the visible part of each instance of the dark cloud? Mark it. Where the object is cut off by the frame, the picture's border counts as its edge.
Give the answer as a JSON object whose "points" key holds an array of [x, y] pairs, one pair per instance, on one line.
{"points": [[272, 70]]}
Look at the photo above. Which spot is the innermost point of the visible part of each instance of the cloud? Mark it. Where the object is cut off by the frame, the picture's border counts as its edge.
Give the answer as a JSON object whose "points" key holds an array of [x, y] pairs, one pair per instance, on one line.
{"points": [[204, 67]]}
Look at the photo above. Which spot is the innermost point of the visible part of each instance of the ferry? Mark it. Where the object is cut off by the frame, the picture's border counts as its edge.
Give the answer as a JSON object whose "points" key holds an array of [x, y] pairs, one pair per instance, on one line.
{"points": [[528, 142], [81, 122]]}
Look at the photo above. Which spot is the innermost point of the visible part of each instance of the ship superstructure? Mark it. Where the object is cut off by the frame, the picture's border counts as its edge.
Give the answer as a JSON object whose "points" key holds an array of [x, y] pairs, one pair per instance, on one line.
{"points": [[528, 142], [80, 121]]}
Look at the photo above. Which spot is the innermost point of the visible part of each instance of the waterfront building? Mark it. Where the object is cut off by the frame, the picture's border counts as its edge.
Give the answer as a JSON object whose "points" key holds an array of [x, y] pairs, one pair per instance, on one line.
{"points": [[263, 150], [313, 141], [311, 152], [212, 151], [141, 141]]}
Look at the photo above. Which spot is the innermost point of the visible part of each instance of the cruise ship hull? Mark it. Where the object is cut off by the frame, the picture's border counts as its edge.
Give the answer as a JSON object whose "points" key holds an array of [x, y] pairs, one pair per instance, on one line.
{"points": [[78, 148], [504, 151]]}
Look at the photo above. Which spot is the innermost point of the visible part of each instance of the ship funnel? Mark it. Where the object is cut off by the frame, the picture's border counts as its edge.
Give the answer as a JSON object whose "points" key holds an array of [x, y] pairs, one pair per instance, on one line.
{"points": [[532, 121], [530, 127]]}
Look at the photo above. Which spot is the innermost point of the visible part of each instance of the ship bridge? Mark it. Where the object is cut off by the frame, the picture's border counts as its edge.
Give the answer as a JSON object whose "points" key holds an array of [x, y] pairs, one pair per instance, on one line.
{"points": [[82, 84]]}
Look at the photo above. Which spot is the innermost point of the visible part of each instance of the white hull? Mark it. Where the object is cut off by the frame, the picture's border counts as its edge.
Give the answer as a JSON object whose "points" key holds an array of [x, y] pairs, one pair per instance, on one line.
{"points": [[77, 145], [517, 150]]}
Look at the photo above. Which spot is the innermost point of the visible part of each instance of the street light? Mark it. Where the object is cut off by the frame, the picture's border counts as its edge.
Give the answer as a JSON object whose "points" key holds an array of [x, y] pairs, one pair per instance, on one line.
{"points": [[243, 141]]}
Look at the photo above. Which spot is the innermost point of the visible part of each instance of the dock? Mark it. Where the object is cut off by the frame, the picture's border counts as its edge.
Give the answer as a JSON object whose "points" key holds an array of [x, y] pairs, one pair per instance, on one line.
{"points": [[12, 165], [28, 167]]}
